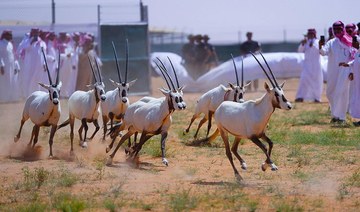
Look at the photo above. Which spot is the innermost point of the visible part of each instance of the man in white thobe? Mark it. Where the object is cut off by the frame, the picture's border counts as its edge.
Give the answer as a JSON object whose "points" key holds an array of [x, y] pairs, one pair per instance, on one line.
{"points": [[9, 68], [311, 79], [339, 49]]}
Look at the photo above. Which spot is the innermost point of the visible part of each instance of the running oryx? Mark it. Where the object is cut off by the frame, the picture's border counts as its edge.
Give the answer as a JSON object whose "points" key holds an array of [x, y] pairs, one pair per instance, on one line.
{"points": [[117, 100], [211, 100], [154, 116], [249, 120], [43, 108], [84, 105]]}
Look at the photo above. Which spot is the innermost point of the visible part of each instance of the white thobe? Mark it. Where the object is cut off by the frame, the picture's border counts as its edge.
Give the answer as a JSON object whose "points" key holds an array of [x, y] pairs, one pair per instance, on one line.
{"points": [[311, 78], [354, 104], [9, 85], [33, 70], [68, 73], [338, 83], [52, 59]]}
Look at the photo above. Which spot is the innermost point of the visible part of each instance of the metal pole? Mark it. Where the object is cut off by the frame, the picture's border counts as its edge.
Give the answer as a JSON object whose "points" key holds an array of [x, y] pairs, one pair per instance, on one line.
{"points": [[98, 29], [53, 11]]}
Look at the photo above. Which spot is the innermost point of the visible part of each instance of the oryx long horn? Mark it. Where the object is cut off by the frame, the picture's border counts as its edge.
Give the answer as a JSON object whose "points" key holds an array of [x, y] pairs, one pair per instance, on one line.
{"points": [[116, 61], [172, 66], [270, 70], [167, 74], [58, 71], [127, 59], [236, 74], [263, 70], [163, 74], [46, 65], [92, 68], [98, 69]]}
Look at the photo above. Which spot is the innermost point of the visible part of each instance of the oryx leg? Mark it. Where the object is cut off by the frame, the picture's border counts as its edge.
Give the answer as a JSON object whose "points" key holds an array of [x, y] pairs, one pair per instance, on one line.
{"points": [[114, 135], [209, 122], [86, 128], [32, 135], [126, 136], [36, 134], [97, 127], [271, 144], [52, 133], [72, 121], [105, 121], [191, 121], [143, 138], [224, 136], [268, 160], [202, 121], [80, 132], [213, 136], [163, 149], [16, 138], [128, 150], [234, 149]]}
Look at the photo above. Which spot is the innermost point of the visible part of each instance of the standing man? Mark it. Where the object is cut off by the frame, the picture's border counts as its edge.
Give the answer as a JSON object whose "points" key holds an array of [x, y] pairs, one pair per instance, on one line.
{"points": [[338, 50], [9, 68], [311, 79], [250, 46]]}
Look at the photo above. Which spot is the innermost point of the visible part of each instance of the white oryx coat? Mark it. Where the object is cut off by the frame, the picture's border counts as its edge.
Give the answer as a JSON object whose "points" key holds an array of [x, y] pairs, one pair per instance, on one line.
{"points": [[338, 84], [9, 86], [354, 105], [311, 78]]}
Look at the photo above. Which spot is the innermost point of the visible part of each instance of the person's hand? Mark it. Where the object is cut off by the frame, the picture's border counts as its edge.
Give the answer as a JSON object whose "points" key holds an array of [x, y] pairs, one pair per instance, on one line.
{"points": [[303, 42], [2, 70], [343, 64], [351, 76], [321, 43]]}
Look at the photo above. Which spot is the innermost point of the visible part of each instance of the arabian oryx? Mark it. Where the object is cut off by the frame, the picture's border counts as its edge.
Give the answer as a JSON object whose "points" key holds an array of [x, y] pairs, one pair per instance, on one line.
{"points": [[84, 105], [43, 108], [153, 116], [249, 120], [210, 101], [117, 100]]}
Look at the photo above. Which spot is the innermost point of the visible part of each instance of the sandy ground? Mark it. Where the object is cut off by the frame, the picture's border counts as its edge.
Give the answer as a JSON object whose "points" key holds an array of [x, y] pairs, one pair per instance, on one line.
{"points": [[190, 167]]}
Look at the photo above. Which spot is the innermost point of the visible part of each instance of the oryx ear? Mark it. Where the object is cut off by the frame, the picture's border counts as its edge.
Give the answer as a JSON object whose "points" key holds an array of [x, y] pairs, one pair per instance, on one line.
{"points": [[114, 83], [182, 88], [266, 86], [90, 86], [282, 84], [231, 85], [44, 86], [132, 82], [59, 85], [164, 91], [247, 84]]}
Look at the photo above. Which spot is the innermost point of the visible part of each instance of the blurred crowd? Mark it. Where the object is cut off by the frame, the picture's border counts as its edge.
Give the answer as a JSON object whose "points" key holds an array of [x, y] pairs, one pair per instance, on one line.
{"points": [[22, 67], [199, 56]]}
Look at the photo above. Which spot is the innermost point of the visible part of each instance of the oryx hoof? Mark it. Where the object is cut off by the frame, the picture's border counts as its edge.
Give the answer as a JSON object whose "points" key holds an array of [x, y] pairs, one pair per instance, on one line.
{"points": [[244, 166], [273, 167], [109, 161], [72, 153], [16, 139], [264, 166], [51, 157], [238, 177], [166, 162]]}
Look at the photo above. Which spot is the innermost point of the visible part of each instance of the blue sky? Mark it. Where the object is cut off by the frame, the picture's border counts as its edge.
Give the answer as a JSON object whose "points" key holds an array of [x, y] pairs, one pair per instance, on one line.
{"points": [[224, 21]]}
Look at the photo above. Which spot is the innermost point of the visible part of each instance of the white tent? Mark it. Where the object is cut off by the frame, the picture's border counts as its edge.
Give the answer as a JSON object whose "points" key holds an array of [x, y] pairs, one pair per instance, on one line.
{"points": [[283, 65]]}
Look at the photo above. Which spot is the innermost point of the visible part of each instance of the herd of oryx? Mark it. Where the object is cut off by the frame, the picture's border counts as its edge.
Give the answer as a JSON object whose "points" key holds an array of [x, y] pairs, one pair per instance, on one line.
{"points": [[151, 116]]}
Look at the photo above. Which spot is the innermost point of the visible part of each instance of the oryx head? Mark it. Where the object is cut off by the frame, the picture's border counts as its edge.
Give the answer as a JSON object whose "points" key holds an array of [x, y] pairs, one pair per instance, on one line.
{"points": [[98, 86], [173, 94], [53, 89], [278, 98], [238, 89], [123, 86]]}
